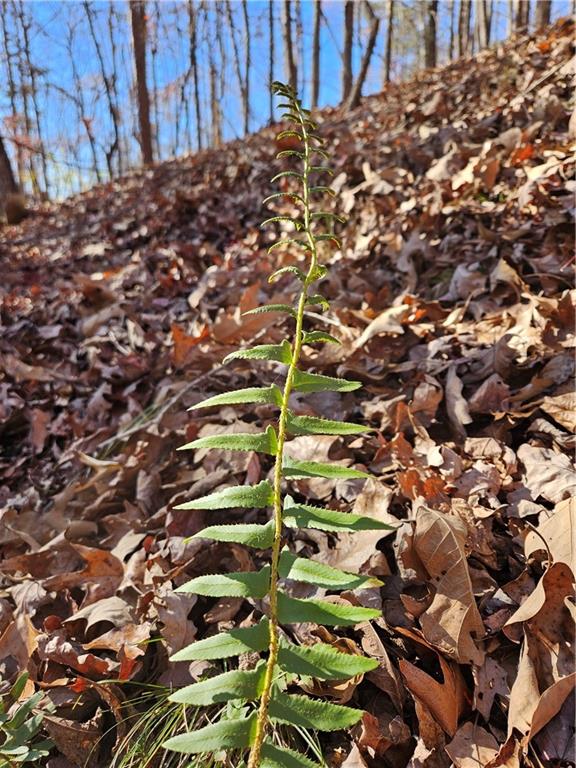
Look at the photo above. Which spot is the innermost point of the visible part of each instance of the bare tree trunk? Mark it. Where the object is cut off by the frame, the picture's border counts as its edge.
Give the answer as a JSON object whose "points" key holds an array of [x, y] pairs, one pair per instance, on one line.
{"points": [[138, 21], [452, 31], [347, 51], [316, 54], [112, 107], [32, 72], [271, 52], [389, 39], [483, 22], [522, 18], [152, 32], [78, 98], [215, 110], [464, 28], [8, 183], [241, 83], [543, 13], [356, 92], [11, 86], [291, 72], [300, 62], [193, 38], [247, 65], [430, 49], [114, 85]]}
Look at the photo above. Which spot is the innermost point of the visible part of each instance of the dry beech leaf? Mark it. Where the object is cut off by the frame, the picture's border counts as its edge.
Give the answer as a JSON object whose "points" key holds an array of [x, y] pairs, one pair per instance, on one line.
{"points": [[452, 623]]}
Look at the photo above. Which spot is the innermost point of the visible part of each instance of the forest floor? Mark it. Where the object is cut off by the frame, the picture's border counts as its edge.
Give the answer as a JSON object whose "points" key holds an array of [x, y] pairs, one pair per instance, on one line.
{"points": [[452, 298]]}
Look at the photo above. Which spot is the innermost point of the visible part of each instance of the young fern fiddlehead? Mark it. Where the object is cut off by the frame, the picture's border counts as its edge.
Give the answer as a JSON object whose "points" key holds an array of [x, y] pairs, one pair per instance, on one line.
{"points": [[257, 697]]}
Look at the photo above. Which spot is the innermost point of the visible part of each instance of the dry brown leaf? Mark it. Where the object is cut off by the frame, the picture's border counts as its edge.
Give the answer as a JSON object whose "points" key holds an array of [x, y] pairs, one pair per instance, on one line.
{"points": [[472, 747], [559, 534], [452, 623], [547, 473]]}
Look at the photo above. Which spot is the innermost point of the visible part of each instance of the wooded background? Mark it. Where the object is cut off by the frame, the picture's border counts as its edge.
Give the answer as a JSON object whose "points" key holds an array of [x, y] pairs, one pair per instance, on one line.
{"points": [[91, 89]]}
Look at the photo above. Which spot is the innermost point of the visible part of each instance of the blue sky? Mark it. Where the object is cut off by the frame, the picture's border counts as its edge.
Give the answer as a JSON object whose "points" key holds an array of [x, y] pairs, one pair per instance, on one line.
{"points": [[54, 22]]}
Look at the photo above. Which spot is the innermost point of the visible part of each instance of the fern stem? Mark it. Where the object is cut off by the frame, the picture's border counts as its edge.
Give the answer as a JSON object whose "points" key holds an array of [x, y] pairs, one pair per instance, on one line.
{"points": [[262, 720]]}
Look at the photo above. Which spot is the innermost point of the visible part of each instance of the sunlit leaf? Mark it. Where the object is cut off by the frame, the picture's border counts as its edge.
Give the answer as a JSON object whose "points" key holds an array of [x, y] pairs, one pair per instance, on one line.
{"points": [[276, 757], [322, 661], [265, 442], [295, 468], [308, 516], [312, 425], [281, 353], [312, 572], [257, 496], [293, 709], [314, 382], [226, 644], [249, 534], [242, 584], [272, 308], [293, 610], [227, 734], [237, 684], [269, 394]]}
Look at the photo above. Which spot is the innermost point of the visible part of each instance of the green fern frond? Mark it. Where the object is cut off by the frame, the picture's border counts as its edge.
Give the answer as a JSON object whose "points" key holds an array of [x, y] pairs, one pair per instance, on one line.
{"points": [[264, 699]]}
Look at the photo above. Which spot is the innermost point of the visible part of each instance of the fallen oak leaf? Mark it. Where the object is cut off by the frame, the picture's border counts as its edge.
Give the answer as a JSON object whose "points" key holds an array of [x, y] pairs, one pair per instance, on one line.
{"points": [[452, 623]]}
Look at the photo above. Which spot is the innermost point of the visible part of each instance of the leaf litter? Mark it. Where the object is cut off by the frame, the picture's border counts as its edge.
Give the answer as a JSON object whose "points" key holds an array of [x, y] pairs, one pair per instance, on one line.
{"points": [[452, 299]]}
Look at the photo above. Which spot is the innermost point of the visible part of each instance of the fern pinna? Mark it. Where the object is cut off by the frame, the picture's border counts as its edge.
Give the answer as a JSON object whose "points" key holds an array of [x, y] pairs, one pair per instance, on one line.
{"points": [[254, 701]]}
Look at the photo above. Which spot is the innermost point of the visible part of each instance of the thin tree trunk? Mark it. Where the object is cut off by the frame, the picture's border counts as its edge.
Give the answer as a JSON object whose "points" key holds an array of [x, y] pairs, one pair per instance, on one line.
{"points": [[138, 21], [452, 31], [316, 54], [389, 40], [291, 71], [11, 87], [271, 51], [430, 49], [114, 85], [78, 99], [464, 28], [24, 21], [112, 108], [483, 22], [247, 65], [543, 13], [193, 37], [356, 92], [300, 62], [8, 184], [347, 50], [522, 19], [154, 67]]}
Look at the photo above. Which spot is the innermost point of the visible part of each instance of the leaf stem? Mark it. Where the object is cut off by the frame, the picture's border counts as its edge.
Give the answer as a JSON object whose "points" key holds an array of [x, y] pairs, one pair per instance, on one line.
{"points": [[262, 720]]}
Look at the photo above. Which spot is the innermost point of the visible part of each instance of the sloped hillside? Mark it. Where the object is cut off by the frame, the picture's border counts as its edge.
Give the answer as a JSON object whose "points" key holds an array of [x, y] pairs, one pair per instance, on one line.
{"points": [[452, 297]]}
